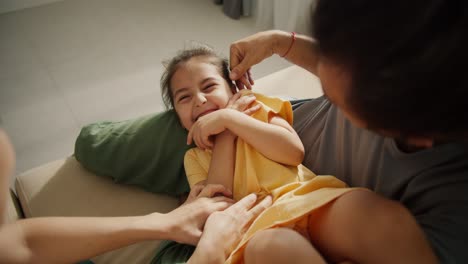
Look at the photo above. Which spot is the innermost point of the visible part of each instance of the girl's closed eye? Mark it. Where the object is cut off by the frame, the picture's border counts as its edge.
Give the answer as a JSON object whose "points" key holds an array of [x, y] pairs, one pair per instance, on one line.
{"points": [[209, 87], [183, 98]]}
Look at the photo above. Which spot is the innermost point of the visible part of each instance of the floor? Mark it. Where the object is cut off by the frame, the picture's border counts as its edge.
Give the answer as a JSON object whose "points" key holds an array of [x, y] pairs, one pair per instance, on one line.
{"points": [[71, 63]]}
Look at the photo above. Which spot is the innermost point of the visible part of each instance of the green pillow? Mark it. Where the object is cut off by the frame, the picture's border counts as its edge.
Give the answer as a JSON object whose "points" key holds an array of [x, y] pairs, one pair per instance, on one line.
{"points": [[147, 152]]}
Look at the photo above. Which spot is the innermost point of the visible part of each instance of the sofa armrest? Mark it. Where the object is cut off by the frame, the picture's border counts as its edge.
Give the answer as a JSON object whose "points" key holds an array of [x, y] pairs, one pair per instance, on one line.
{"points": [[65, 188], [14, 211], [291, 82]]}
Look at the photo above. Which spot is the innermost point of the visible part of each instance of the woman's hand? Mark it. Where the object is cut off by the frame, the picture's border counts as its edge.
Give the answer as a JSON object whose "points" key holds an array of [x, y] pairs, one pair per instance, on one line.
{"points": [[187, 221], [249, 51], [224, 229]]}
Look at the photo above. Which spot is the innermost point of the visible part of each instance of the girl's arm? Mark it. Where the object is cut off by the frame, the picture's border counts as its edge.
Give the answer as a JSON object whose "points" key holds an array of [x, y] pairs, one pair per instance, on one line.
{"points": [[276, 140], [223, 160], [222, 164]]}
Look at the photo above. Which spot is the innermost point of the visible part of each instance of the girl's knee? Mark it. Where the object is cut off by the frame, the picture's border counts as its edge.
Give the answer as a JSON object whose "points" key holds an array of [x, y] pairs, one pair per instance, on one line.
{"points": [[366, 210], [369, 204], [360, 222]]}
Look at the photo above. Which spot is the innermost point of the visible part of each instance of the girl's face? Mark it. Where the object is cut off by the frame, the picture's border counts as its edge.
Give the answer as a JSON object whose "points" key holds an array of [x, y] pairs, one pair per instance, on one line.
{"points": [[197, 89]]}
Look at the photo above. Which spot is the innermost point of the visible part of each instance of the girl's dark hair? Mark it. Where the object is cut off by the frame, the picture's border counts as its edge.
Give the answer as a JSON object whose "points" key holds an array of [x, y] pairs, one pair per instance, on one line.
{"points": [[407, 60], [182, 57]]}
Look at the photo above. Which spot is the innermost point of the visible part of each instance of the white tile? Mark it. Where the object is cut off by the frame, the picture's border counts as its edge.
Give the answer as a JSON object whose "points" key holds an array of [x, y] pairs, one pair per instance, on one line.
{"points": [[91, 92], [83, 72], [137, 107], [268, 66], [56, 146], [38, 121], [71, 29], [16, 53], [25, 90]]}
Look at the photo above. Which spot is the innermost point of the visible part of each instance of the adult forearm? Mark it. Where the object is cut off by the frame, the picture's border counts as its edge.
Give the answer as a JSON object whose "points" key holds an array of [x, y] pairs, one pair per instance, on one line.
{"points": [[66, 240], [208, 254], [304, 51]]}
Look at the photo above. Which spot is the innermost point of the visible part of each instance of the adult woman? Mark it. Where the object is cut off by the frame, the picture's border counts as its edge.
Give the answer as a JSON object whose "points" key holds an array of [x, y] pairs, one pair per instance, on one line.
{"points": [[71, 239], [392, 120]]}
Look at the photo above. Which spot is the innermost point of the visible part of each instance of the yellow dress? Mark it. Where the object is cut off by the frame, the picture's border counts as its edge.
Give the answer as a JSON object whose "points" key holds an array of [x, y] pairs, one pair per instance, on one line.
{"points": [[296, 191]]}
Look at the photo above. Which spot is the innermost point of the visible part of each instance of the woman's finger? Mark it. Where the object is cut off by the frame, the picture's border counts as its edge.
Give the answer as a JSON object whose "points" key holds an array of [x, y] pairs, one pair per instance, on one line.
{"points": [[243, 205], [234, 59], [245, 80], [240, 85], [260, 207], [251, 80]]}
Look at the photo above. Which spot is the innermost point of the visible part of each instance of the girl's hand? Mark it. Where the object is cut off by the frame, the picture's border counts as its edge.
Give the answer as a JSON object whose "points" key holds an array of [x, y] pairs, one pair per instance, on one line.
{"points": [[243, 103], [207, 126]]}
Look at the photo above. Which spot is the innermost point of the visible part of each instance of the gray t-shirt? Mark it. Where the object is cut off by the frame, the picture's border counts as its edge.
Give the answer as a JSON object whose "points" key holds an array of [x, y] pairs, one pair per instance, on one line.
{"points": [[431, 183]]}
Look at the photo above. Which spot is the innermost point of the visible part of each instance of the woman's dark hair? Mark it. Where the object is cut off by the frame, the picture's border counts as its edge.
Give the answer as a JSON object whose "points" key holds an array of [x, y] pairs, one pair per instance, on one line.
{"points": [[407, 61], [184, 56]]}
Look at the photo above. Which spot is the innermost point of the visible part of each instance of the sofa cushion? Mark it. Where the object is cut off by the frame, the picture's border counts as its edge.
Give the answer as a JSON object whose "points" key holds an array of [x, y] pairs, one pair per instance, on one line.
{"points": [[65, 188], [147, 152]]}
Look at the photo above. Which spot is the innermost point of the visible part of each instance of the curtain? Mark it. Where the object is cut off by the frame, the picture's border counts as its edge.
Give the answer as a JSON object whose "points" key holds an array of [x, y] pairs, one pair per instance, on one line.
{"points": [[236, 8], [290, 15]]}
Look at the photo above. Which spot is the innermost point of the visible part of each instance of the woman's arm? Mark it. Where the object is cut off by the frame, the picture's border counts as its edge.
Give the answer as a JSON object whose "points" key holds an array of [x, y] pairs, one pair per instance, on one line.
{"points": [[251, 50], [67, 240], [71, 239], [304, 51]]}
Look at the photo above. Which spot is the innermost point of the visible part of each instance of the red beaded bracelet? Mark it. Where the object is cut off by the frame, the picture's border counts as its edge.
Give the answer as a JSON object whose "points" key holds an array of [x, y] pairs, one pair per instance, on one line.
{"points": [[293, 36]]}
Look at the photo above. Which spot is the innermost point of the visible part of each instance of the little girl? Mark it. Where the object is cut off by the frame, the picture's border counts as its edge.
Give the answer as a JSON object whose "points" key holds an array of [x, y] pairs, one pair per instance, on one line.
{"points": [[260, 153]]}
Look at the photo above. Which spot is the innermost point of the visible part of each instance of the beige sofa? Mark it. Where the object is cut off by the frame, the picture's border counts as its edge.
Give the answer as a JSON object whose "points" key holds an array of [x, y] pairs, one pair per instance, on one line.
{"points": [[64, 188]]}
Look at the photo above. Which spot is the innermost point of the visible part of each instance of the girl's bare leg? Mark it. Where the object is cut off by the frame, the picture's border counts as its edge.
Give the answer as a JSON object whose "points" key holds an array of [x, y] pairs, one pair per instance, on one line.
{"points": [[363, 227], [281, 245]]}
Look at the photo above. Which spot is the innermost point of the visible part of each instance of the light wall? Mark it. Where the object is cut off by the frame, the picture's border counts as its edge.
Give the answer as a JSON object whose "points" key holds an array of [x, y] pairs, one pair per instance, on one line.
{"points": [[12, 5]]}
